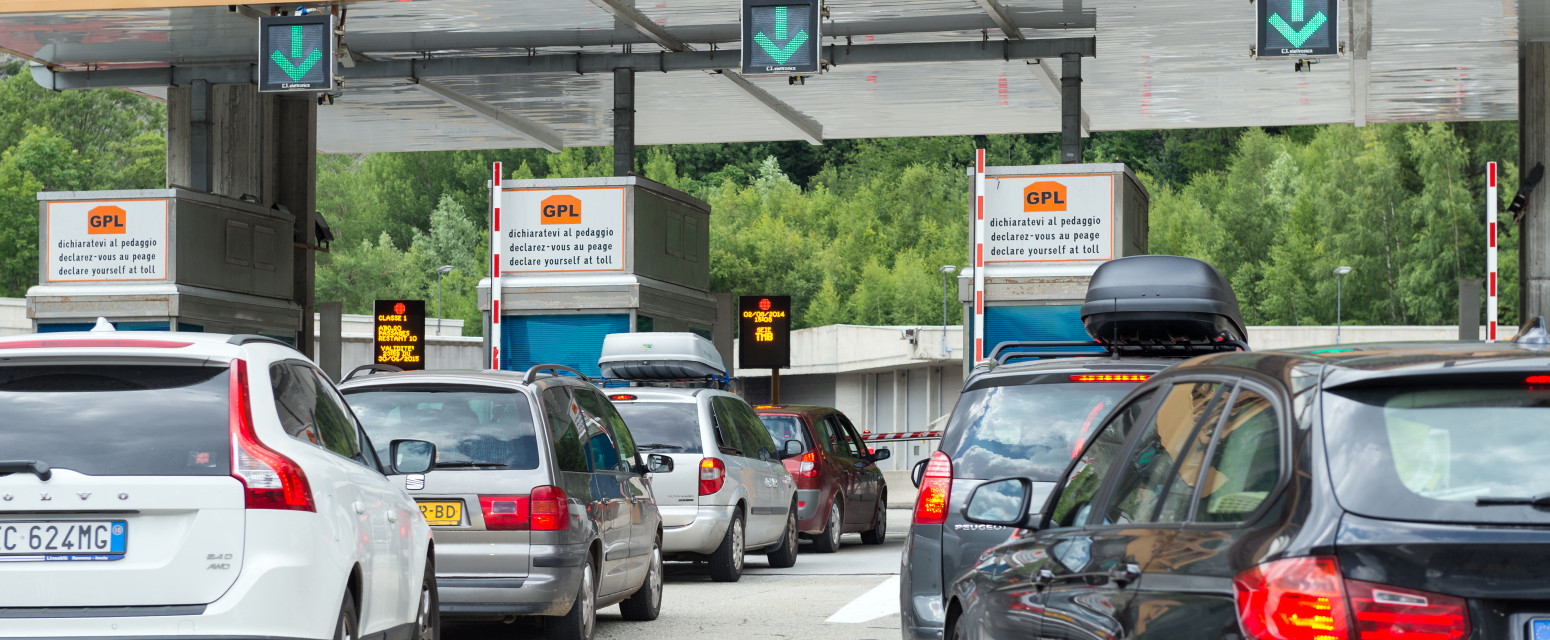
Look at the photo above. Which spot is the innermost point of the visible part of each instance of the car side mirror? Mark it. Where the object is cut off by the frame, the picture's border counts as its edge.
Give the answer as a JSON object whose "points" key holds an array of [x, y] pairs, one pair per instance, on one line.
{"points": [[792, 449], [413, 456], [880, 455], [1003, 503], [919, 472], [658, 463]]}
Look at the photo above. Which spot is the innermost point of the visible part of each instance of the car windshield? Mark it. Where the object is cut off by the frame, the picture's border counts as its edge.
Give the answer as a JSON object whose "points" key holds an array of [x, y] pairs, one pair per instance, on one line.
{"points": [[663, 427], [472, 428], [1027, 430], [118, 420], [785, 428], [1431, 453]]}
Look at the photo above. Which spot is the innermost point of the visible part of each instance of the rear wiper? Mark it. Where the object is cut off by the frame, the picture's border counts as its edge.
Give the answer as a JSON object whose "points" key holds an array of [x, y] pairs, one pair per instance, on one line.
{"points": [[35, 467], [468, 463], [656, 445], [1541, 500]]}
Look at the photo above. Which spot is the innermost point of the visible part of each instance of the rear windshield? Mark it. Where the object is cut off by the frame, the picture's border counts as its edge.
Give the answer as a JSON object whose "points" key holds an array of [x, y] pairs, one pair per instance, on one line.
{"points": [[472, 428], [784, 428], [1025, 430], [118, 420], [663, 427], [1430, 454]]}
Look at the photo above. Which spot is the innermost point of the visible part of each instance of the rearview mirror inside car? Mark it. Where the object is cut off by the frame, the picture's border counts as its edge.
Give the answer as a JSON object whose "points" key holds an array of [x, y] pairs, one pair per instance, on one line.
{"points": [[413, 456], [658, 463], [791, 449], [1001, 502]]}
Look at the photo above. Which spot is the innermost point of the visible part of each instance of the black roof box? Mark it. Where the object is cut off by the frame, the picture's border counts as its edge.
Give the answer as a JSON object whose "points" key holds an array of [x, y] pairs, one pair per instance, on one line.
{"points": [[1163, 305]]}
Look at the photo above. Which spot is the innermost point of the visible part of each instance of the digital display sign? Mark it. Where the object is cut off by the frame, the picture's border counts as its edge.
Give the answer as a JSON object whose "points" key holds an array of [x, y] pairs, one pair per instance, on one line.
{"points": [[296, 53], [764, 332], [400, 334], [780, 38], [1297, 28]]}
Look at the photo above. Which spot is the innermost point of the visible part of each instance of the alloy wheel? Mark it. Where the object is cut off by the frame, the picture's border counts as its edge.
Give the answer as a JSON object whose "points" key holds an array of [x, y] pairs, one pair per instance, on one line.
{"points": [[737, 544]]}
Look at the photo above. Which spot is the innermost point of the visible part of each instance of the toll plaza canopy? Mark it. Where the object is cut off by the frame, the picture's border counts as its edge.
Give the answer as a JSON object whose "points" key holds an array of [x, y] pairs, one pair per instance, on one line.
{"points": [[463, 74]]}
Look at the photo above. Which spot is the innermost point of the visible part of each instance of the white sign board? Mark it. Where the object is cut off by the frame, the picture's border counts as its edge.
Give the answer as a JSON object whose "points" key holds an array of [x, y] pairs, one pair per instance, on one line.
{"points": [[105, 241], [574, 229], [1049, 218]]}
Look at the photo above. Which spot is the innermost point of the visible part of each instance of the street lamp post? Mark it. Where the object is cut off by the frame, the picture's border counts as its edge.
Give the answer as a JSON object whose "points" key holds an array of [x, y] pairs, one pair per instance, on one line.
{"points": [[1339, 273], [947, 275], [440, 271]]}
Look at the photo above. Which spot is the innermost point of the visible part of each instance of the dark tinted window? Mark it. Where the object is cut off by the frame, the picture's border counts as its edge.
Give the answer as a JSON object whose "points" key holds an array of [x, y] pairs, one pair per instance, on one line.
{"points": [[784, 429], [620, 431], [561, 414], [1025, 430], [118, 420], [308, 409], [1430, 453], [1245, 461], [471, 427], [751, 431], [339, 435], [663, 427], [600, 446], [728, 437], [1093, 464], [829, 430], [1152, 467]]}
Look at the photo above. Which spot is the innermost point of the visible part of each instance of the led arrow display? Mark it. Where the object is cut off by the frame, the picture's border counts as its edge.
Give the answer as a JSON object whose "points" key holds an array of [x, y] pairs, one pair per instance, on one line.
{"points": [[1296, 27], [778, 53], [296, 53], [1297, 36], [299, 70], [780, 38]]}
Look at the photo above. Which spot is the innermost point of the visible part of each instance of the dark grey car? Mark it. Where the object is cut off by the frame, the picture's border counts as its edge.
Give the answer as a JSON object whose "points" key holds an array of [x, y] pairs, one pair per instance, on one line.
{"points": [[539, 499]]}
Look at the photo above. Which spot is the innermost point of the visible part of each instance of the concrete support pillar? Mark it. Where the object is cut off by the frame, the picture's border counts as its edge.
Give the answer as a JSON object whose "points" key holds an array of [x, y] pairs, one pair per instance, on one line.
{"points": [[624, 122], [330, 330], [199, 139], [1070, 108], [1534, 148]]}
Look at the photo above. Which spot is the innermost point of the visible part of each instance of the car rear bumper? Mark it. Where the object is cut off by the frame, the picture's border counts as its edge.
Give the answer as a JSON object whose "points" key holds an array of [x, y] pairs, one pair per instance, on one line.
{"points": [[809, 519], [701, 536], [548, 589]]}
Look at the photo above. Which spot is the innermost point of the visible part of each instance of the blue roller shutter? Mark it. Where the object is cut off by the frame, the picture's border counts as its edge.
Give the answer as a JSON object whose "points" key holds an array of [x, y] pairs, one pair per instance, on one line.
{"points": [[575, 341], [1049, 322]]}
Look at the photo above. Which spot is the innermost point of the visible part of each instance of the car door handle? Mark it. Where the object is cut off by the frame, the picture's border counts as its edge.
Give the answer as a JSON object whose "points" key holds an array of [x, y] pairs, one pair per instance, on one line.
{"points": [[360, 507]]}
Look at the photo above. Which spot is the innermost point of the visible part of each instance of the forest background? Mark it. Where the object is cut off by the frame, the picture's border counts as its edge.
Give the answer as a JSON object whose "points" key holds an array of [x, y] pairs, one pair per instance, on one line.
{"points": [[855, 230]]}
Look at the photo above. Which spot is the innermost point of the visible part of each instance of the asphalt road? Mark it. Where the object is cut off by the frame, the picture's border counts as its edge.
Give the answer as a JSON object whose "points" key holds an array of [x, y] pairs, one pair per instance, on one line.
{"points": [[849, 595]]}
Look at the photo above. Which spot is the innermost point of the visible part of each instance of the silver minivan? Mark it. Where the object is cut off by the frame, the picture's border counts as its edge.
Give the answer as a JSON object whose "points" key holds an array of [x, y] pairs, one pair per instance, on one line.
{"points": [[539, 500], [728, 492]]}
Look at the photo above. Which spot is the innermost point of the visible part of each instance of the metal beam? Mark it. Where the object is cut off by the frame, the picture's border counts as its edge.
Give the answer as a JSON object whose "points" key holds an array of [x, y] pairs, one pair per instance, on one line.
{"points": [[808, 128], [1002, 19], [836, 54], [1051, 82], [632, 16], [1361, 67], [537, 132], [1070, 108]]}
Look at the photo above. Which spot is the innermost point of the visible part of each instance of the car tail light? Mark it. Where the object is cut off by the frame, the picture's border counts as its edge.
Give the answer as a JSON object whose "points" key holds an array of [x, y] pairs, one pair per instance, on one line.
{"points": [[1305, 599], [807, 467], [269, 479], [550, 509], [1110, 377], [936, 487], [504, 513], [621, 397], [713, 474], [1383, 613]]}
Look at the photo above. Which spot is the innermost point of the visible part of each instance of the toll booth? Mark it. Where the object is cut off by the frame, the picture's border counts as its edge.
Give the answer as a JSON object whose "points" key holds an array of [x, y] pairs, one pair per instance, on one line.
{"points": [[586, 257], [1047, 228], [163, 259]]}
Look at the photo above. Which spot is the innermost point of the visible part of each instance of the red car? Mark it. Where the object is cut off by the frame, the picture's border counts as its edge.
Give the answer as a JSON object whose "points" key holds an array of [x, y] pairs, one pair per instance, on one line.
{"points": [[839, 487]]}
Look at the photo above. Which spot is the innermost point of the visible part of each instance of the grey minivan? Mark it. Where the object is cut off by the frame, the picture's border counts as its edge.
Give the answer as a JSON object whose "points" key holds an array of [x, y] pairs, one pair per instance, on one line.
{"points": [[539, 501]]}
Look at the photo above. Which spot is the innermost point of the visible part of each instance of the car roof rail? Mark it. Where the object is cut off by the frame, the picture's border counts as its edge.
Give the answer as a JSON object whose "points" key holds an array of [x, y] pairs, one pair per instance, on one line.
{"points": [[1009, 350], [553, 369], [251, 338], [369, 369]]}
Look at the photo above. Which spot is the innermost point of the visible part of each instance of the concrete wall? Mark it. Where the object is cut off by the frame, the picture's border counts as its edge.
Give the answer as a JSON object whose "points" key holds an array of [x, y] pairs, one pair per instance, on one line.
{"points": [[13, 317]]}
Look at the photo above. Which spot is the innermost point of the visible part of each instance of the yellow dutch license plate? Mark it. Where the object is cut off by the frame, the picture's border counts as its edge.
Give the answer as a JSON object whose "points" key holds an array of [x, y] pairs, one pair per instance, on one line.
{"points": [[442, 513]]}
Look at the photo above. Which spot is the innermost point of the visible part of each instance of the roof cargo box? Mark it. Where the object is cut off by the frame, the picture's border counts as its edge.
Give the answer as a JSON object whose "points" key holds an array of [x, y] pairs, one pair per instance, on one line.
{"points": [[660, 356], [1162, 303]]}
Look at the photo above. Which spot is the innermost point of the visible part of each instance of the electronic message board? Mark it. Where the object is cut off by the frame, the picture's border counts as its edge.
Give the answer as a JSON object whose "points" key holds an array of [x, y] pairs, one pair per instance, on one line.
{"points": [[1297, 28], [764, 332], [400, 334], [296, 53], [780, 38]]}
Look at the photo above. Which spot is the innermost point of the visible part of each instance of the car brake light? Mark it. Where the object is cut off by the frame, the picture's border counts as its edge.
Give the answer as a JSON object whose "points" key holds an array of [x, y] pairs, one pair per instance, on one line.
{"points": [[808, 466], [1537, 380], [1110, 377], [550, 509], [713, 474], [270, 480], [504, 513], [621, 396], [1305, 599], [936, 486]]}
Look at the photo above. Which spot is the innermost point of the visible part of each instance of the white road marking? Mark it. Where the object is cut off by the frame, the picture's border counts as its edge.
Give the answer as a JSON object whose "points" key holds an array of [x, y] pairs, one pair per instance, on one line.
{"points": [[882, 600]]}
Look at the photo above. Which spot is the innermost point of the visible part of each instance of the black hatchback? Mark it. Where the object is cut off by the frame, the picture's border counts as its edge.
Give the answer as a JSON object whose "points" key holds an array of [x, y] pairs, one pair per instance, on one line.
{"points": [[1377, 491]]}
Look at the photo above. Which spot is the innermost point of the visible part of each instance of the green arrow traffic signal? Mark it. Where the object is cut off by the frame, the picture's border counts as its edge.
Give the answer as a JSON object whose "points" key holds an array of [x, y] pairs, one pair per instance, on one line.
{"points": [[298, 70], [778, 53], [1297, 36]]}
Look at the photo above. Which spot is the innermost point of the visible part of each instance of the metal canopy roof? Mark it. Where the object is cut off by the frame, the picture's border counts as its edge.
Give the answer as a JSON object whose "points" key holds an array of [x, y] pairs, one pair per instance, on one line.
{"points": [[1160, 64]]}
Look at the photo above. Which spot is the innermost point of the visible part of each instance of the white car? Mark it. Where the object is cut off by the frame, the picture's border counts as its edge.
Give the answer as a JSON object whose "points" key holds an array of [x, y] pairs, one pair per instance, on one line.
{"points": [[157, 484]]}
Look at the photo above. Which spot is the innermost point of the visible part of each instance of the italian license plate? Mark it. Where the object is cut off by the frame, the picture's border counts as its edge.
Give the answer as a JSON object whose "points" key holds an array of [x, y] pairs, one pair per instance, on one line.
{"points": [[58, 540], [442, 513], [1539, 629]]}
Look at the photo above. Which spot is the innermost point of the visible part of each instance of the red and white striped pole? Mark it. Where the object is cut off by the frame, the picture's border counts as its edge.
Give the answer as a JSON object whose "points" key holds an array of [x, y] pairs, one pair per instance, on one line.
{"points": [[495, 269], [979, 255], [1490, 251]]}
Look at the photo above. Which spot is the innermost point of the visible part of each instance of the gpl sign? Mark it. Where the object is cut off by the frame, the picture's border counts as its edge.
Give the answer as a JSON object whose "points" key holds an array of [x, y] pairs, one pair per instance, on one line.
{"points": [[780, 38], [1297, 28]]}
